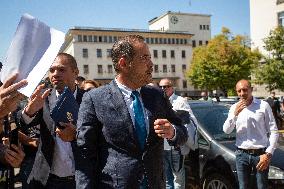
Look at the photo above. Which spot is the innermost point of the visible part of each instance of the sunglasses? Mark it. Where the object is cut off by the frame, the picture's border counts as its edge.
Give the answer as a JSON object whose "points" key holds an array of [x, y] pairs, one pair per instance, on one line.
{"points": [[165, 86]]}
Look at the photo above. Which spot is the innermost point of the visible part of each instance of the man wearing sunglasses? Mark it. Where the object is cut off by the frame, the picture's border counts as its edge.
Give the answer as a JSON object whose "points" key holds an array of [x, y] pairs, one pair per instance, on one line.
{"points": [[174, 156]]}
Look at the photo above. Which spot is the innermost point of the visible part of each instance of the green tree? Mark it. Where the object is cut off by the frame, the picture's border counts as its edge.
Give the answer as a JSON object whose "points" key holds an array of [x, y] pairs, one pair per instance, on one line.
{"points": [[272, 72], [225, 60]]}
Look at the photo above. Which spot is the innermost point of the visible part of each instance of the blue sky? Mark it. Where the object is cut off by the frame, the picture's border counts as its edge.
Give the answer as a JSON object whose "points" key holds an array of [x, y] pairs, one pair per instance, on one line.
{"points": [[134, 14]]}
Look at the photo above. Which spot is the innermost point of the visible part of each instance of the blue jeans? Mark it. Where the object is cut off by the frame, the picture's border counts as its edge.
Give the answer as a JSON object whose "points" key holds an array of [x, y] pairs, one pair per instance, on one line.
{"points": [[246, 166], [174, 169]]}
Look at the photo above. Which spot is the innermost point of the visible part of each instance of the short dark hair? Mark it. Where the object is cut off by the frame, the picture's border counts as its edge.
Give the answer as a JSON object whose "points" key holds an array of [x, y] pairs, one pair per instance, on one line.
{"points": [[124, 48], [80, 78], [1, 65], [70, 58]]}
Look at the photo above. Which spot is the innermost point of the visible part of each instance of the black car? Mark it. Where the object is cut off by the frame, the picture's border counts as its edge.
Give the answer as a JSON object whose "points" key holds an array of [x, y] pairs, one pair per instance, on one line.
{"points": [[216, 167]]}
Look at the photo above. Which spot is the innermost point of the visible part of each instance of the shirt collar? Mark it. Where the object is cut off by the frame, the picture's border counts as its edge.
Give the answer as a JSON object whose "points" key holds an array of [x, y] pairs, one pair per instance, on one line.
{"points": [[124, 89], [74, 94]]}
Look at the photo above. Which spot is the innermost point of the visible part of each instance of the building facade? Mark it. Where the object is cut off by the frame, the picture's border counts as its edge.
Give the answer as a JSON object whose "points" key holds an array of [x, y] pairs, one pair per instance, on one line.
{"points": [[171, 48], [265, 15]]}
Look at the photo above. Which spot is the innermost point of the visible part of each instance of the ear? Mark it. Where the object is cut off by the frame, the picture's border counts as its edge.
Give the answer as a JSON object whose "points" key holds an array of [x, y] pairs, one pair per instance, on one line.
{"points": [[76, 71], [122, 63]]}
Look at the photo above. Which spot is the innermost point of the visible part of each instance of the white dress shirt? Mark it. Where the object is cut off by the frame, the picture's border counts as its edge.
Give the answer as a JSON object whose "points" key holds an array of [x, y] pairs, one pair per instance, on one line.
{"points": [[253, 125], [126, 91], [63, 163], [179, 103]]}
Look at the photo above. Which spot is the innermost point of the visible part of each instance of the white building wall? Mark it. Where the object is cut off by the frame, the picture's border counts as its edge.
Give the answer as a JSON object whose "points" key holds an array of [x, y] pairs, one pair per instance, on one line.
{"points": [[186, 23], [263, 19]]}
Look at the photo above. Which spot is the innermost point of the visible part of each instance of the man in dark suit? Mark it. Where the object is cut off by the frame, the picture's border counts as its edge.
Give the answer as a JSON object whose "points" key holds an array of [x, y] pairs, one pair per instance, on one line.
{"points": [[121, 125], [54, 164]]}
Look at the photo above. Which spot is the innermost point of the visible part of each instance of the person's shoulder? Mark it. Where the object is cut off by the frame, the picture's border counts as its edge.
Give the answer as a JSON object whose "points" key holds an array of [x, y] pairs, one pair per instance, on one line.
{"points": [[263, 103], [152, 90]]}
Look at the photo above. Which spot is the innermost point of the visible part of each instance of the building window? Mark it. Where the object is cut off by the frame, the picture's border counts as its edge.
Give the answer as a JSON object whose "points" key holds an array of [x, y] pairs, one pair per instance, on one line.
{"points": [[164, 53], [207, 27], [204, 27], [110, 39], [185, 41], [173, 41], [90, 38], [169, 41], [183, 53], [109, 69], [281, 19], [100, 39], [108, 53], [173, 67], [172, 53], [86, 69], [165, 68], [206, 42], [114, 39], [80, 38], [152, 40], [85, 53], [156, 68], [183, 67], [100, 69], [155, 52], [279, 2], [161, 40], [177, 41], [200, 27], [165, 40], [95, 38], [105, 39], [85, 38], [200, 43], [156, 41], [147, 40], [99, 53], [184, 84], [193, 43]]}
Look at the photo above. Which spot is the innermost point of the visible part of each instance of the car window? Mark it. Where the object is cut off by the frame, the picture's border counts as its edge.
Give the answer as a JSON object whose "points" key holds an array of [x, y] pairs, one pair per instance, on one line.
{"points": [[212, 118]]}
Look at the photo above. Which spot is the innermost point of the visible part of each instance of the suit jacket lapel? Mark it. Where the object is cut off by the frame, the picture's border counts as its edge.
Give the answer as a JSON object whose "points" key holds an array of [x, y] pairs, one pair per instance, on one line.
{"points": [[119, 104]]}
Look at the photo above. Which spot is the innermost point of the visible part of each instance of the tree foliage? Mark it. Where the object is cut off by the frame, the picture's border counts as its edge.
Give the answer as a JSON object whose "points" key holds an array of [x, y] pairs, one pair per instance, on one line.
{"points": [[225, 60], [272, 72]]}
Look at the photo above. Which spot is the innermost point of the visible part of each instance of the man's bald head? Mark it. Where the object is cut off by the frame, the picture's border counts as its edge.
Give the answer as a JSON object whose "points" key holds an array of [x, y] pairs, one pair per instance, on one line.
{"points": [[244, 89]]}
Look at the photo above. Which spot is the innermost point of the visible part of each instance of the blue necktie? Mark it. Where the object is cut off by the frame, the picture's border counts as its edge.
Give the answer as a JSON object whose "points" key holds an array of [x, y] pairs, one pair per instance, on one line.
{"points": [[140, 126]]}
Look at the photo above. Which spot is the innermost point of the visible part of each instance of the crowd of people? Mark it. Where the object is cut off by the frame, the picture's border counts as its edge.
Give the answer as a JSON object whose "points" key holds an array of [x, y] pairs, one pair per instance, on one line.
{"points": [[129, 133]]}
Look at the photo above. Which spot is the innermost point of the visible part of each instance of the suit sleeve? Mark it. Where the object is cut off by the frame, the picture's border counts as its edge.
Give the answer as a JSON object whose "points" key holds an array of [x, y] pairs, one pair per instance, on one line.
{"points": [[86, 150]]}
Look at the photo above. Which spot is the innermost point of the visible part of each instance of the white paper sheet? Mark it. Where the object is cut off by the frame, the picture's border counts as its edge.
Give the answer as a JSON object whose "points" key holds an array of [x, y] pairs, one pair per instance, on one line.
{"points": [[31, 53]]}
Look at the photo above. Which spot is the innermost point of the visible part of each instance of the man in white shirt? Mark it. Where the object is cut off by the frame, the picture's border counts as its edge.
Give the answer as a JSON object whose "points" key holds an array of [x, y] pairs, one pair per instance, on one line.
{"points": [[54, 164], [174, 156], [253, 120]]}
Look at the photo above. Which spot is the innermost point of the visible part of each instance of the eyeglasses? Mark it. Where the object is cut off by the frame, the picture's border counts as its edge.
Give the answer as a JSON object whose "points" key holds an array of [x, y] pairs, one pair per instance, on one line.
{"points": [[165, 86]]}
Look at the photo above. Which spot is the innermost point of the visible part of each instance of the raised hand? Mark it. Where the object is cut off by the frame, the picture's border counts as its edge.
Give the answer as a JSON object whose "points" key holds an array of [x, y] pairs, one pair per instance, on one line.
{"points": [[36, 101], [240, 106], [9, 96]]}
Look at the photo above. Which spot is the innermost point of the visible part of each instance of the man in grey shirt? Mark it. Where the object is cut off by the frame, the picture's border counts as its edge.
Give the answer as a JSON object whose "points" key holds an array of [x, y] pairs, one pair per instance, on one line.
{"points": [[253, 120]]}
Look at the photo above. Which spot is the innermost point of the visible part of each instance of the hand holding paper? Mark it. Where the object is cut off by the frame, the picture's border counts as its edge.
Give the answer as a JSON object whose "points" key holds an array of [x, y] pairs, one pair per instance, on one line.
{"points": [[31, 53]]}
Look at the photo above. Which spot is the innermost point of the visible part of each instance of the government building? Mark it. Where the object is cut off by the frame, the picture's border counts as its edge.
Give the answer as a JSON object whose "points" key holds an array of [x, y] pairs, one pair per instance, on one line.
{"points": [[171, 38]]}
